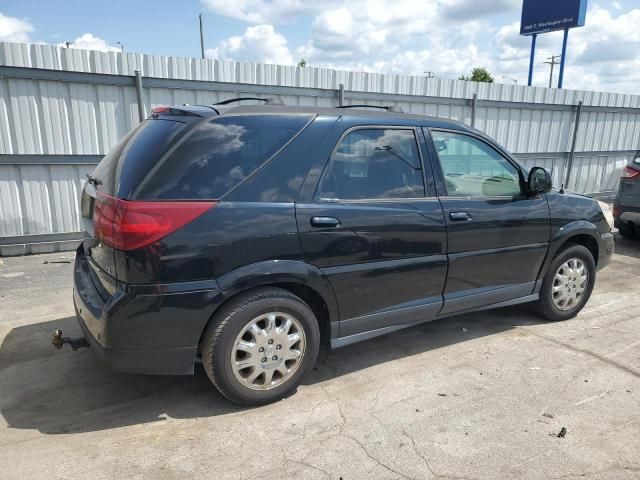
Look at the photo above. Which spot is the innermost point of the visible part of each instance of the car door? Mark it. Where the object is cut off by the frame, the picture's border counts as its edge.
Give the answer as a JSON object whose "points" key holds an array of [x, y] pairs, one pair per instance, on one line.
{"points": [[374, 231], [498, 235]]}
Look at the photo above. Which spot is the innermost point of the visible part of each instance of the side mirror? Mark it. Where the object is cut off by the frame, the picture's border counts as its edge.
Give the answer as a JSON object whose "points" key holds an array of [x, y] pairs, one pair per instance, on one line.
{"points": [[539, 180]]}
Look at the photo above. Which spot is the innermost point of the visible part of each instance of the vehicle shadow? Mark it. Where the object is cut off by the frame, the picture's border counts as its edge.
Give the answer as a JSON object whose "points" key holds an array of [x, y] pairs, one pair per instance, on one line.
{"points": [[70, 392], [629, 247]]}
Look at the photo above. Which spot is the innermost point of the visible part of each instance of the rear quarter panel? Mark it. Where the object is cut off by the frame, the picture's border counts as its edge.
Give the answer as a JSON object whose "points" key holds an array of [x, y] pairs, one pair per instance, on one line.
{"points": [[254, 222], [228, 236]]}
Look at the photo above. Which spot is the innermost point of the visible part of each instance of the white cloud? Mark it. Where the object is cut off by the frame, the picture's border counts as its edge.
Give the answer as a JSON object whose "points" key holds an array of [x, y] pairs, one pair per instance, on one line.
{"points": [[277, 11], [408, 37], [447, 37], [469, 9], [259, 11], [88, 42], [14, 29], [259, 43]]}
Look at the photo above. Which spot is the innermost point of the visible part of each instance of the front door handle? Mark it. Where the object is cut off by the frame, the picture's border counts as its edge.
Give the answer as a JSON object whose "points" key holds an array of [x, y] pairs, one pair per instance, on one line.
{"points": [[459, 216], [324, 222]]}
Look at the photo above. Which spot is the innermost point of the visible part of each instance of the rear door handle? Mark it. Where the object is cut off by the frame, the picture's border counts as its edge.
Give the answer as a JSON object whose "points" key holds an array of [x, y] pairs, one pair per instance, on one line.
{"points": [[324, 222], [459, 216]]}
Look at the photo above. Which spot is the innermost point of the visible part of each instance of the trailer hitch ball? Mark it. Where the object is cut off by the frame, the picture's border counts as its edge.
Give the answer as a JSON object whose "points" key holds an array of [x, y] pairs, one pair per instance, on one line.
{"points": [[58, 341]]}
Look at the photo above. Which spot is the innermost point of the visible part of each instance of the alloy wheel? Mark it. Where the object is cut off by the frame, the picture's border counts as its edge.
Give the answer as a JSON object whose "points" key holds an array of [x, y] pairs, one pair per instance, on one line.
{"points": [[569, 284], [268, 351]]}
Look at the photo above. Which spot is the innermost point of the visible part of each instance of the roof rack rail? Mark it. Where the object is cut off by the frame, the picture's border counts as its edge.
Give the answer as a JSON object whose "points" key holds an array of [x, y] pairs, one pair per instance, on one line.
{"points": [[388, 108], [267, 101]]}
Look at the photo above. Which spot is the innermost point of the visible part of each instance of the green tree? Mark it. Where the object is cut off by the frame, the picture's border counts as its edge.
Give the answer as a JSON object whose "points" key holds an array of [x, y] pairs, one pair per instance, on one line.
{"points": [[478, 74], [302, 63]]}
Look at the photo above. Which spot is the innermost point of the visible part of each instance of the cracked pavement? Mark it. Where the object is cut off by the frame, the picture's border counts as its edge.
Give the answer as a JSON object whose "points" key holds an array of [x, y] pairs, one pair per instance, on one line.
{"points": [[475, 396]]}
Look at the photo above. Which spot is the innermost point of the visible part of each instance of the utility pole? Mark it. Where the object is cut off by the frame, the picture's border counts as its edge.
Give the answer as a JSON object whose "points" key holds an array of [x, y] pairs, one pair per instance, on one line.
{"points": [[201, 36], [553, 61]]}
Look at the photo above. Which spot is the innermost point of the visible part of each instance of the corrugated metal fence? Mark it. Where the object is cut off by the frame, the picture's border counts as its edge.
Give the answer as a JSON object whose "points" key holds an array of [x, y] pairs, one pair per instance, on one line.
{"points": [[61, 109]]}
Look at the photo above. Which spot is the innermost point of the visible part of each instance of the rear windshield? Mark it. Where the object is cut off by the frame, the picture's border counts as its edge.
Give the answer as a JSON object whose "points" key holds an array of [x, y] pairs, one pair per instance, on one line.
{"points": [[218, 155], [122, 169]]}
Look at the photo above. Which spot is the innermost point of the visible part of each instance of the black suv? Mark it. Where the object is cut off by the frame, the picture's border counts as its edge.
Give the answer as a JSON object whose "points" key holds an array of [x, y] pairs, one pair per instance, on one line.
{"points": [[244, 237], [626, 208]]}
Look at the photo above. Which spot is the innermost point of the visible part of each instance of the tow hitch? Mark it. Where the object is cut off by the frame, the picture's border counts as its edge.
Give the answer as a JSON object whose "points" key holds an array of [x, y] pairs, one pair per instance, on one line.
{"points": [[58, 341]]}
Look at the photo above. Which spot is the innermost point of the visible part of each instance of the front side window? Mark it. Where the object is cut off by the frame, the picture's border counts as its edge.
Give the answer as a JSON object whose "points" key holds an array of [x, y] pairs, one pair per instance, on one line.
{"points": [[374, 163], [471, 168]]}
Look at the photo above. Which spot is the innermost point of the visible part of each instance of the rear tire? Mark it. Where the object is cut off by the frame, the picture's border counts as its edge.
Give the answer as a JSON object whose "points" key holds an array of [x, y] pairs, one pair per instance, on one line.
{"points": [[257, 349], [628, 231], [568, 284]]}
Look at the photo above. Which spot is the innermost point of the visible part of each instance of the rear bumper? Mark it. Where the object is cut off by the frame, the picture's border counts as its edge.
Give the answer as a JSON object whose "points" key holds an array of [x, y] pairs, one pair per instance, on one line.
{"points": [[627, 215], [606, 247], [166, 361], [151, 329]]}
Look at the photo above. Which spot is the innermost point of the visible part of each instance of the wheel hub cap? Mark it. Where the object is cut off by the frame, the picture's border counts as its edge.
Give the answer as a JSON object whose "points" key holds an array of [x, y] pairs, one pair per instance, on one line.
{"points": [[569, 284], [268, 351]]}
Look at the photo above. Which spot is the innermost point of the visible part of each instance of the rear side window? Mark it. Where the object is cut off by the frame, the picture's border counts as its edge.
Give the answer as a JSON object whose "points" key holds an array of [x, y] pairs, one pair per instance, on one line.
{"points": [[126, 164], [219, 154], [372, 164]]}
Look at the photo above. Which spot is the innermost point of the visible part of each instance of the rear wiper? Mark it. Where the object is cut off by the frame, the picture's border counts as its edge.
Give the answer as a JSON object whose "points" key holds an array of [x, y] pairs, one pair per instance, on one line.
{"points": [[93, 180]]}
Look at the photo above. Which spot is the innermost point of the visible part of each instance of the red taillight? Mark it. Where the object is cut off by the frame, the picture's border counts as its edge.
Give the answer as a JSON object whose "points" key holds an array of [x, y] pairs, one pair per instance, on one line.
{"points": [[127, 225], [615, 212], [160, 109], [629, 172]]}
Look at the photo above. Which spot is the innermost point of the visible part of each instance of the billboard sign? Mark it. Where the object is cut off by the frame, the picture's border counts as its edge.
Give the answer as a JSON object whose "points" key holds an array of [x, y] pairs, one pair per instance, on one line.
{"points": [[540, 16]]}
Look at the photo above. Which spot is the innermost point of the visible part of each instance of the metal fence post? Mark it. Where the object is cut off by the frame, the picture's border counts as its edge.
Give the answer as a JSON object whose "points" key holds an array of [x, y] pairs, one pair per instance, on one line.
{"points": [[341, 95], [474, 107], [141, 114], [576, 125]]}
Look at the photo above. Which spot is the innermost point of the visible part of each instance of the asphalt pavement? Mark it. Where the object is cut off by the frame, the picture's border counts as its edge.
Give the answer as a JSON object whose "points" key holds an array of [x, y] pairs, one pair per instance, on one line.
{"points": [[491, 395]]}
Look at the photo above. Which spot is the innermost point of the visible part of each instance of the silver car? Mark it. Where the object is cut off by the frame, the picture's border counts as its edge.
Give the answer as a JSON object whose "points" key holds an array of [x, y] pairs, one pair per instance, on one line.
{"points": [[626, 208]]}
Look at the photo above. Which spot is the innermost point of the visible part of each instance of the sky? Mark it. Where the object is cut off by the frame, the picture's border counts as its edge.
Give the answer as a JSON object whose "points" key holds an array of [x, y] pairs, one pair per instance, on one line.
{"points": [[446, 37]]}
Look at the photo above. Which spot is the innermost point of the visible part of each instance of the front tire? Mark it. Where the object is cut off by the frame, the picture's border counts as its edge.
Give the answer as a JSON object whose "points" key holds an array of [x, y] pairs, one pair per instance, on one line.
{"points": [[258, 348], [568, 283]]}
